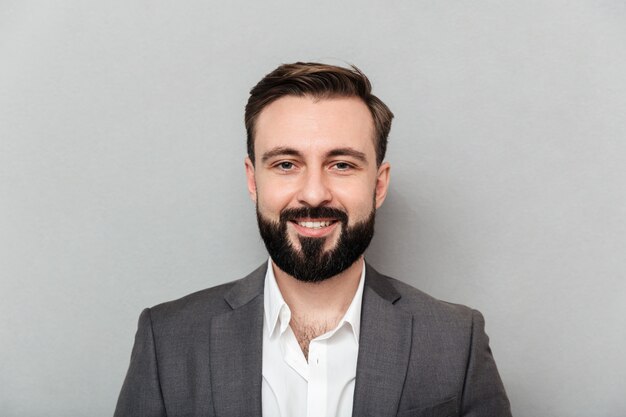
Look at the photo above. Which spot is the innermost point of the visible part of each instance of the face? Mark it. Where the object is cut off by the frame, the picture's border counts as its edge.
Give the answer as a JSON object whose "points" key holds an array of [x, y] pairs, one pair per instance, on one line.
{"points": [[315, 183]]}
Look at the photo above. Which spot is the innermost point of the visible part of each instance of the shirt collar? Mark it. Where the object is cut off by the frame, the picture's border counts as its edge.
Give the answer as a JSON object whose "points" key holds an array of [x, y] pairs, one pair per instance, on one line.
{"points": [[278, 314], [274, 304]]}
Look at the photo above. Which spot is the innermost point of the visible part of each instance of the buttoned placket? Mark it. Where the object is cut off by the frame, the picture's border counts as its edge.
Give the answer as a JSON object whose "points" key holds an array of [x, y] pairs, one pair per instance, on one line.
{"points": [[331, 354], [315, 370], [318, 369]]}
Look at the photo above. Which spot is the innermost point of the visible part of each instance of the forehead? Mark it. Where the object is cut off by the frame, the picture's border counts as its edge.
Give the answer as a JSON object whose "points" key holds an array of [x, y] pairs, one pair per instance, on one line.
{"points": [[311, 124]]}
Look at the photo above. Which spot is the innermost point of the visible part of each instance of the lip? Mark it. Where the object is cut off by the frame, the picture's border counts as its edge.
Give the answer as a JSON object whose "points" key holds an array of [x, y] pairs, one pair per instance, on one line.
{"points": [[308, 232]]}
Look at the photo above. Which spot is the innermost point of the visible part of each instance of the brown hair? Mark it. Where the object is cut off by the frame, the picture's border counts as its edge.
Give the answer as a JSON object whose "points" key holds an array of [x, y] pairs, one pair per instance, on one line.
{"points": [[318, 81]]}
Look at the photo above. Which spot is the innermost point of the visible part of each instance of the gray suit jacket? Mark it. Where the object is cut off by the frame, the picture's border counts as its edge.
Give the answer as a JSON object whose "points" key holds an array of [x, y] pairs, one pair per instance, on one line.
{"points": [[420, 357]]}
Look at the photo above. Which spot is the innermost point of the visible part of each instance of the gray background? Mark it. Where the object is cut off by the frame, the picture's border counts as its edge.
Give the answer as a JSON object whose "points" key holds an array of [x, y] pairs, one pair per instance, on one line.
{"points": [[122, 181]]}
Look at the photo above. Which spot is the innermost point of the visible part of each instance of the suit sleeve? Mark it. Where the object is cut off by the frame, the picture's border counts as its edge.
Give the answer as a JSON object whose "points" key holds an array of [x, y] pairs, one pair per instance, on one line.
{"points": [[483, 391], [141, 393]]}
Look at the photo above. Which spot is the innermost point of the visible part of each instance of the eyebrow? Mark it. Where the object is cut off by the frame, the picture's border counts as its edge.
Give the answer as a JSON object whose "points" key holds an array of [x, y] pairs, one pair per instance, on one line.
{"points": [[348, 152], [279, 151], [283, 150]]}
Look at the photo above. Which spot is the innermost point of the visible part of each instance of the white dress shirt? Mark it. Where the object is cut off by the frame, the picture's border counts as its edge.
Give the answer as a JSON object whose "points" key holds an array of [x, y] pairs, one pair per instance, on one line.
{"points": [[321, 387]]}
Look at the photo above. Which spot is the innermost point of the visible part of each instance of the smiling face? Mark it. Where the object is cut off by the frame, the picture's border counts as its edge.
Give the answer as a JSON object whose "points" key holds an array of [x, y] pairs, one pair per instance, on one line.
{"points": [[316, 183]]}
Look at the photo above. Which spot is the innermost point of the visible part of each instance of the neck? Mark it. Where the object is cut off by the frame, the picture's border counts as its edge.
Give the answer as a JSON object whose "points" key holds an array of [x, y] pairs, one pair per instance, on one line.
{"points": [[323, 302]]}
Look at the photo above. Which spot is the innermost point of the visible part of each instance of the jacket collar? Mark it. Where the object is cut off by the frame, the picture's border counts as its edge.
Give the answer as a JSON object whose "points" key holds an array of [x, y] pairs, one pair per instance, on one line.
{"points": [[384, 349], [237, 341]]}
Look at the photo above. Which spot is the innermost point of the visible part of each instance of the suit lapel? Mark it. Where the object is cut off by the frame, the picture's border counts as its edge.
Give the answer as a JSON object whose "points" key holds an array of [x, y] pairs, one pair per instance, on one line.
{"points": [[236, 350], [237, 343], [384, 348]]}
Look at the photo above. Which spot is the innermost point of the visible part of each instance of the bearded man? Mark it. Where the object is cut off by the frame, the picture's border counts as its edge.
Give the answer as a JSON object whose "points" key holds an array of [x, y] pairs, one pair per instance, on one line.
{"points": [[315, 331]]}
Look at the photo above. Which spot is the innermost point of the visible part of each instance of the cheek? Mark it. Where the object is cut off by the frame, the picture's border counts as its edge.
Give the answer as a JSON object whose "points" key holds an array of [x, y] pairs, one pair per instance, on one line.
{"points": [[358, 201], [272, 198]]}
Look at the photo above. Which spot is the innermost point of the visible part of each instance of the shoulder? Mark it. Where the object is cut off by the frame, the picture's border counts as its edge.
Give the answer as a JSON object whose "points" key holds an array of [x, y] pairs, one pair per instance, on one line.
{"points": [[201, 306], [422, 306], [414, 299], [205, 302], [450, 351], [441, 326]]}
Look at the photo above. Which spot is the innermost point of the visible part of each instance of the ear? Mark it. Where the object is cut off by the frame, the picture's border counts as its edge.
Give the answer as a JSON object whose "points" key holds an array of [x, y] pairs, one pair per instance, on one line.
{"points": [[250, 178], [382, 183]]}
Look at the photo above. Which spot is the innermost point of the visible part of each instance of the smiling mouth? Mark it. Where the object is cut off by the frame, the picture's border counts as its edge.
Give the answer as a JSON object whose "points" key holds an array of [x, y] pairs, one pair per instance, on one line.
{"points": [[314, 227], [315, 224]]}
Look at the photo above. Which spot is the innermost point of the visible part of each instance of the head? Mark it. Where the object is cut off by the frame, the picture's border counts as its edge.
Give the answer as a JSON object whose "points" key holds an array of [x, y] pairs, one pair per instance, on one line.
{"points": [[316, 144], [319, 81]]}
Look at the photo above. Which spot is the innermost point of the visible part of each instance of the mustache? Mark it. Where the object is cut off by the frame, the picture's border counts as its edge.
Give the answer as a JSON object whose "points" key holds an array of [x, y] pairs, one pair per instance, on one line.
{"points": [[292, 214]]}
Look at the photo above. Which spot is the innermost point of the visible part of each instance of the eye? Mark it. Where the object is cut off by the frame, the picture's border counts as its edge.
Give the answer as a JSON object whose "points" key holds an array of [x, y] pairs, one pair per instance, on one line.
{"points": [[285, 166], [342, 166]]}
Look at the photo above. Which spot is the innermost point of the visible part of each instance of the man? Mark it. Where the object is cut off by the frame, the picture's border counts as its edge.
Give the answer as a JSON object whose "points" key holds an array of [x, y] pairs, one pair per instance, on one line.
{"points": [[315, 331]]}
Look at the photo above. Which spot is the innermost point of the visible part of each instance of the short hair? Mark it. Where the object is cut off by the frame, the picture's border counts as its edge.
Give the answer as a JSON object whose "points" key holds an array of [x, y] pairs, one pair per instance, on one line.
{"points": [[318, 81]]}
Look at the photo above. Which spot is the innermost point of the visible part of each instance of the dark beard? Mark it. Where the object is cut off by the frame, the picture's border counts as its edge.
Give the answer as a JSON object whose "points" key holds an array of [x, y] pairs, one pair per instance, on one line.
{"points": [[312, 263]]}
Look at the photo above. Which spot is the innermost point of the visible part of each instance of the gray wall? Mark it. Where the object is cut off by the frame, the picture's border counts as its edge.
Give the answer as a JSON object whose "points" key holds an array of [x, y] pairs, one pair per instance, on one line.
{"points": [[122, 181]]}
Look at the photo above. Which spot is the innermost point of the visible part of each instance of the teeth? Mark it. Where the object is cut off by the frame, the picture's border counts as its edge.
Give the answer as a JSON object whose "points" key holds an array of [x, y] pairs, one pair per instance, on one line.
{"points": [[314, 225]]}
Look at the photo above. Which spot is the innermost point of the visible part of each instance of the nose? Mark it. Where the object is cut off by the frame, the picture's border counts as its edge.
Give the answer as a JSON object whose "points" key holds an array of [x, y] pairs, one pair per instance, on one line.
{"points": [[314, 191]]}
